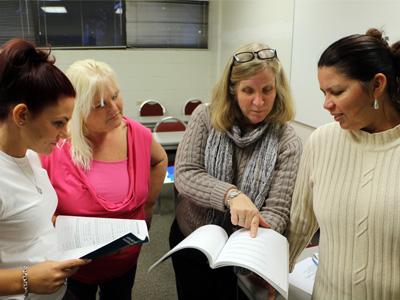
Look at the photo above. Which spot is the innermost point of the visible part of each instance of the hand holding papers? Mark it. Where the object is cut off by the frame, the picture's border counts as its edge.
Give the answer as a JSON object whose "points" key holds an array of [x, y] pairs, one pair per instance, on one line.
{"points": [[266, 254]]}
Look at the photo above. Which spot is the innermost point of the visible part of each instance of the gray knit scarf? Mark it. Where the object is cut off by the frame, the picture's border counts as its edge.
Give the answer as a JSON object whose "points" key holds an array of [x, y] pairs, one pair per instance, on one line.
{"points": [[257, 173]]}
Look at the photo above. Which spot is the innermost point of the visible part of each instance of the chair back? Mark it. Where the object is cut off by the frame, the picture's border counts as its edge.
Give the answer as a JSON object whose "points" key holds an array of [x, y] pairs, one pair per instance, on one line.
{"points": [[151, 108], [190, 105], [169, 124]]}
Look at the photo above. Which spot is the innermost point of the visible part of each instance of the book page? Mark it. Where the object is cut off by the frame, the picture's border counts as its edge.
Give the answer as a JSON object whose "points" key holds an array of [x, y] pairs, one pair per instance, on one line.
{"points": [[267, 255], [83, 234], [209, 239]]}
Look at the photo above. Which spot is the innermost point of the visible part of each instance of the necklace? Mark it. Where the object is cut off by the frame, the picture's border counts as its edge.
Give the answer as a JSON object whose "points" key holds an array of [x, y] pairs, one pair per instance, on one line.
{"points": [[31, 178]]}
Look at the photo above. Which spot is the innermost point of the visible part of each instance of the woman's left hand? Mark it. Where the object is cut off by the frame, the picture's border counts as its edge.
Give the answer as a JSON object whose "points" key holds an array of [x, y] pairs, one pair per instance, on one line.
{"points": [[245, 214]]}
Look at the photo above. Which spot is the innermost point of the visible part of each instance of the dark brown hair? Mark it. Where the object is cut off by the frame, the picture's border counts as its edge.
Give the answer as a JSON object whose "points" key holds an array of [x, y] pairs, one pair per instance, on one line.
{"points": [[28, 75], [362, 56]]}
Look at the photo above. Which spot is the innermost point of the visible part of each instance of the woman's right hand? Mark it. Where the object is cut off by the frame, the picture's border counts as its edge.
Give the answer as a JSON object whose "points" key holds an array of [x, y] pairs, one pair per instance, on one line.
{"points": [[47, 277], [245, 214]]}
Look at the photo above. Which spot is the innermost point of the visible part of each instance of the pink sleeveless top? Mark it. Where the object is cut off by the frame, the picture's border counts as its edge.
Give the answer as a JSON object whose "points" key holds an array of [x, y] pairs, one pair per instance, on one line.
{"points": [[114, 190], [79, 197]]}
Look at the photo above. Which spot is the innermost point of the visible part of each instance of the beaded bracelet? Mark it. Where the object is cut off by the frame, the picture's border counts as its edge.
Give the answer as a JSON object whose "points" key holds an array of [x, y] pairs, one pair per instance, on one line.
{"points": [[25, 281]]}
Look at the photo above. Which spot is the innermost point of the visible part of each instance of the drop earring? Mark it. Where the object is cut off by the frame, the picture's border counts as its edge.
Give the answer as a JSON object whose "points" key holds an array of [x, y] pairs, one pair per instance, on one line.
{"points": [[376, 104]]}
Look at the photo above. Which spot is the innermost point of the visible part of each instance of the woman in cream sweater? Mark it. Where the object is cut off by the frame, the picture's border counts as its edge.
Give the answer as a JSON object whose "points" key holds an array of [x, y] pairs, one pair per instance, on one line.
{"points": [[347, 184]]}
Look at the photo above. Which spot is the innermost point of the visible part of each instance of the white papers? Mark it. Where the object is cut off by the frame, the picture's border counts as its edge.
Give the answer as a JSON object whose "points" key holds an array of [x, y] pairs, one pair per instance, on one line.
{"points": [[209, 239], [303, 275], [79, 236], [266, 255]]}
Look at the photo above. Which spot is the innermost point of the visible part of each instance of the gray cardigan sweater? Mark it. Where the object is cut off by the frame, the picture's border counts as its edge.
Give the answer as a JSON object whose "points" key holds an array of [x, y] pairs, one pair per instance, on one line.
{"points": [[198, 191]]}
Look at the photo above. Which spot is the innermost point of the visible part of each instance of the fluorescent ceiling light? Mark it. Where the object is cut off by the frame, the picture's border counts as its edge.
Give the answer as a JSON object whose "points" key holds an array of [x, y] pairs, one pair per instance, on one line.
{"points": [[54, 9]]}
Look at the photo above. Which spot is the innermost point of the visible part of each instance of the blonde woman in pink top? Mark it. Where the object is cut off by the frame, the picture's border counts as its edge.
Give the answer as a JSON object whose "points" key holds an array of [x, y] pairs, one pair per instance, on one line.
{"points": [[110, 167]]}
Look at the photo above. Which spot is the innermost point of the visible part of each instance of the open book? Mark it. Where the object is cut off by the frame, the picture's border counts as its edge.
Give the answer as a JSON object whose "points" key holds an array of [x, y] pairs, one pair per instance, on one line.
{"points": [[265, 255], [89, 237]]}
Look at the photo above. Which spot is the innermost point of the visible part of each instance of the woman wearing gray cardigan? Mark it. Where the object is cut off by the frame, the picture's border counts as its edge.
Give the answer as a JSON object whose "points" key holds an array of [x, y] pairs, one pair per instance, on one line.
{"points": [[235, 166]]}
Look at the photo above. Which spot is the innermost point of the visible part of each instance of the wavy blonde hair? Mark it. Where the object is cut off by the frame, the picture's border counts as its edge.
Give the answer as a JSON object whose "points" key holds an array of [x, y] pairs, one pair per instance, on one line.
{"points": [[224, 108], [91, 80]]}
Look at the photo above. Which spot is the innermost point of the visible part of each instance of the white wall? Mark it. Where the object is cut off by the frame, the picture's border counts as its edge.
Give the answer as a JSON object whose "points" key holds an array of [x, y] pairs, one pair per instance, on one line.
{"points": [[171, 76], [267, 21], [317, 24]]}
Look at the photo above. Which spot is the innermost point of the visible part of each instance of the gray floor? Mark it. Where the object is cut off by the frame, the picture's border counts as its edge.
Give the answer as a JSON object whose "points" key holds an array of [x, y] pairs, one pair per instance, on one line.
{"points": [[160, 282]]}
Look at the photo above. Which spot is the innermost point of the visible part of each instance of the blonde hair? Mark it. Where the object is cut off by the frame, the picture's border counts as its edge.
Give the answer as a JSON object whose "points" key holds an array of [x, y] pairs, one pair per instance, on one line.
{"points": [[91, 79], [224, 108]]}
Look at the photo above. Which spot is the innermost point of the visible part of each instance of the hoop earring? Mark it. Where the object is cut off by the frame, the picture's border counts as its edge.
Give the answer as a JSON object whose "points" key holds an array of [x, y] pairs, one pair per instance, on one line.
{"points": [[376, 104]]}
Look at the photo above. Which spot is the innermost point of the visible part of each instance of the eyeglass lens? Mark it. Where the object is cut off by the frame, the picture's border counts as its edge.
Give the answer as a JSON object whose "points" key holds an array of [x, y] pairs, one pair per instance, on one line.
{"points": [[261, 54], [102, 103], [266, 53]]}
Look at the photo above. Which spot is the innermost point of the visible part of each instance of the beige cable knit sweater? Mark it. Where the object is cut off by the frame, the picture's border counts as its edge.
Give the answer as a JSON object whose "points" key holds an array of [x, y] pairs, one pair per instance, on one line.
{"points": [[348, 185], [199, 191]]}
